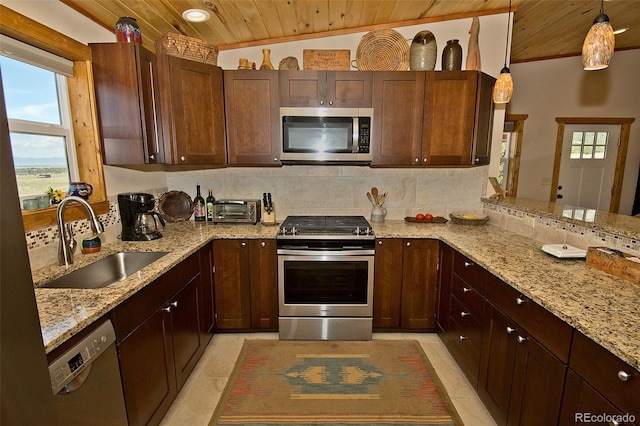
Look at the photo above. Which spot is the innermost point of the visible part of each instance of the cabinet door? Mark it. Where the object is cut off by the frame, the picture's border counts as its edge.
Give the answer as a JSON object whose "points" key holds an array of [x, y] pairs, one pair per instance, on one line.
{"points": [[196, 131], [397, 126], [127, 101], [147, 368], [449, 117], [207, 295], [387, 288], [444, 296], [497, 363], [188, 345], [310, 88], [538, 382], [232, 285], [302, 88], [419, 284], [252, 117], [348, 89], [264, 284], [580, 399], [483, 127]]}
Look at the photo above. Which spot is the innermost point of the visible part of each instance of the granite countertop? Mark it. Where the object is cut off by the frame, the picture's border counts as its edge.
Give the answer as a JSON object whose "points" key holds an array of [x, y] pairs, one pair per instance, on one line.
{"points": [[601, 306]]}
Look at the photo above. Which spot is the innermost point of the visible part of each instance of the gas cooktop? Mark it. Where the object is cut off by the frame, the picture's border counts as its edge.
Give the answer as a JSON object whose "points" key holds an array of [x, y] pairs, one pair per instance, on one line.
{"points": [[325, 227]]}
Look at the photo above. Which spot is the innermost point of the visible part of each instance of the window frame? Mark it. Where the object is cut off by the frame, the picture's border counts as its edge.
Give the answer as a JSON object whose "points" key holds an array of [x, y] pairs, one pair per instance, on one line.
{"points": [[82, 104]]}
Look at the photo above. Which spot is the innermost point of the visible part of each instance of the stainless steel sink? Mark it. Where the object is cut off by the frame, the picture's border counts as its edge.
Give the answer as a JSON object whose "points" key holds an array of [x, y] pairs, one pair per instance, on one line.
{"points": [[113, 268]]}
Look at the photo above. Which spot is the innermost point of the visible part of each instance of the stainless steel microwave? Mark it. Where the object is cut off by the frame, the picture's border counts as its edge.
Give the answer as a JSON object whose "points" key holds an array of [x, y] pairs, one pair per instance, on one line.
{"points": [[326, 135]]}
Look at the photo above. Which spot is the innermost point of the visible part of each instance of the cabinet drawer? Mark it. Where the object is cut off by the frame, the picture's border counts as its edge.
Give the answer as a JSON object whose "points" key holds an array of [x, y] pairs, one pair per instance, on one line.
{"points": [[548, 329], [469, 271], [468, 296], [606, 373], [464, 352], [467, 322]]}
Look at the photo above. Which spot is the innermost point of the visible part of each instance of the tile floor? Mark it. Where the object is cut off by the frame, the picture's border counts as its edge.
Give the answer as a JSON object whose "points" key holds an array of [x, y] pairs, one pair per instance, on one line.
{"points": [[197, 400]]}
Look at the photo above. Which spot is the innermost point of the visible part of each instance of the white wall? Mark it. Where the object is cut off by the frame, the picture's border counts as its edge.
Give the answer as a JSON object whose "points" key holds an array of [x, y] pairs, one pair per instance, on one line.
{"points": [[561, 88]]}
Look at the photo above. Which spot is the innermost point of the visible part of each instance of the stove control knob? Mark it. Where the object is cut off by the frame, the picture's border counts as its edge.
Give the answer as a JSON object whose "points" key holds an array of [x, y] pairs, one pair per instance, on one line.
{"points": [[294, 231], [357, 231]]}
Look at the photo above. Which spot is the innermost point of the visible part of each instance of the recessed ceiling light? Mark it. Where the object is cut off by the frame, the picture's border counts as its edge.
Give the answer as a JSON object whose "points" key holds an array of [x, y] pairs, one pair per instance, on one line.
{"points": [[196, 15]]}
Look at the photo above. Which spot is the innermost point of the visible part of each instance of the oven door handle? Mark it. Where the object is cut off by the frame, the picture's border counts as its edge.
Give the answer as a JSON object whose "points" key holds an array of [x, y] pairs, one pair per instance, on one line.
{"points": [[326, 253]]}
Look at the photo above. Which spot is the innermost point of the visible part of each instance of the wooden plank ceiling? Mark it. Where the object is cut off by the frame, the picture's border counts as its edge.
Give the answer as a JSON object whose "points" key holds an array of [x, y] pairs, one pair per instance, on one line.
{"points": [[542, 28]]}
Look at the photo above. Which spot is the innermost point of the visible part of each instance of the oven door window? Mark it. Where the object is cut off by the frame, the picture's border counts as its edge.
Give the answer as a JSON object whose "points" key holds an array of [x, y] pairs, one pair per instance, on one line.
{"points": [[230, 211], [326, 283], [317, 134]]}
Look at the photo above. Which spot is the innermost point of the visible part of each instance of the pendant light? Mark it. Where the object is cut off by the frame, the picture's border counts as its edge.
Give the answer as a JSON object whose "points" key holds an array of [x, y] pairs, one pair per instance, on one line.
{"points": [[503, 88], [599, 43]]}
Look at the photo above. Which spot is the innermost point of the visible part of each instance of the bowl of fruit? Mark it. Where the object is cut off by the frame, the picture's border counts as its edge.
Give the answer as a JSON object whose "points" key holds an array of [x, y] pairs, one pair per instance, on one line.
{"points": [[425, 218], [468, 218]]}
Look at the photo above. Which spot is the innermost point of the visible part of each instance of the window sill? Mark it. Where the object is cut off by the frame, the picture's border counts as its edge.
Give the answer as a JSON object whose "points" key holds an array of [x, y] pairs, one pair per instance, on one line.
{"points": [[42, 218]]}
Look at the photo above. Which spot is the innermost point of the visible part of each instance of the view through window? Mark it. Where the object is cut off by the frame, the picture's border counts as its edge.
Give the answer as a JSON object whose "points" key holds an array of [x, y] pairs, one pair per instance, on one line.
{"points": [[40, 129], [587, 145]]}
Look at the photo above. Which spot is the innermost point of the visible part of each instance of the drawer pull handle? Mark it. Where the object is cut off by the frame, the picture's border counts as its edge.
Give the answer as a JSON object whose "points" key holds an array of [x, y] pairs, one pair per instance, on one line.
{"points": [[462, 338], [263, 244], [520, 300], [409, 244], [467, 264], [623, 375], [521, 339], [510, 330], [466, 289], [464, 314]]}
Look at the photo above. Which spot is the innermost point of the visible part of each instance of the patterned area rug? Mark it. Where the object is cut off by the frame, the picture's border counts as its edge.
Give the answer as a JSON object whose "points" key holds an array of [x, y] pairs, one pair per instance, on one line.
{"points": [[378, 382]]}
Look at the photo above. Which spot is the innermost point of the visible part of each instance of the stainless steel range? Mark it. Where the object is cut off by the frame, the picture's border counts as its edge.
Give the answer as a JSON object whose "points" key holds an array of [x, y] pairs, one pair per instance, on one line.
{"points": [[325, 278]]}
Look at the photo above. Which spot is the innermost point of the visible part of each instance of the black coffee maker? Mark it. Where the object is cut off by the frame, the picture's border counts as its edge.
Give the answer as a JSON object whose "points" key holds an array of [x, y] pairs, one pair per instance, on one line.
{"points": [[138, 220]]}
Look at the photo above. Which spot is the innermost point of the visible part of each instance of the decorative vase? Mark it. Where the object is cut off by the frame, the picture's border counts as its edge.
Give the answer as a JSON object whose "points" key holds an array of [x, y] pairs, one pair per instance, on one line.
{"points": [[452, 56], [266, 60], [473, 52], [128, 30], [423, 52]]}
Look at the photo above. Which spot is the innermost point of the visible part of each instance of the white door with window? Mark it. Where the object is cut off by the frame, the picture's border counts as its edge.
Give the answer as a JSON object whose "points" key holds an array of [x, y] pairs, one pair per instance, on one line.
{"points": [[587, 166]]}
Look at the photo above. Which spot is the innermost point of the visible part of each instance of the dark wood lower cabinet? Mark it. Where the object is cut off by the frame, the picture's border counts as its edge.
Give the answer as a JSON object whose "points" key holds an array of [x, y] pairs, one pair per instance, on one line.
{"points": [[405, 284], [159, 340], [146, 365], [246, 284], [520, 381]]}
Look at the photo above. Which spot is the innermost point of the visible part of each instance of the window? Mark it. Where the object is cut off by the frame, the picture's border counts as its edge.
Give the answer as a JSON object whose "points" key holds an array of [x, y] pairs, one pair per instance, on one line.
{"points": [[40, 130], [589, 145], [76, 58]]}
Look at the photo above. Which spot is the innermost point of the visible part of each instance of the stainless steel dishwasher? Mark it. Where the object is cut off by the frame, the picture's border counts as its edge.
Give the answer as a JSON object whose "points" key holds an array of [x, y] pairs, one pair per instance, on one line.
{"points": [[86, 381]]}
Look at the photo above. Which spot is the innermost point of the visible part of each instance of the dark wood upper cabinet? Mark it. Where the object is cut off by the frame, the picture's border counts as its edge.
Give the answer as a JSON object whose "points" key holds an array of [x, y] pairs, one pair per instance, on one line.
{"points": [[127, 97], [192, 112], [252, 117], [458, 118], [327, 89], [398, 105]]}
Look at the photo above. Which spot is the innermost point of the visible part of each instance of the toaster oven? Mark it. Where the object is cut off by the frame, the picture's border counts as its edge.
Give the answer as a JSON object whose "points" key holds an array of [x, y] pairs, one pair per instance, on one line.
{"points": [[236, 211]]}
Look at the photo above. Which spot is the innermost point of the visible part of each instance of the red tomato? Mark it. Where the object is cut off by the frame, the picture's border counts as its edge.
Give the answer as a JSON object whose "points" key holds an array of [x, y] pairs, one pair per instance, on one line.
{"points": [[420, 217], [428, 217]]}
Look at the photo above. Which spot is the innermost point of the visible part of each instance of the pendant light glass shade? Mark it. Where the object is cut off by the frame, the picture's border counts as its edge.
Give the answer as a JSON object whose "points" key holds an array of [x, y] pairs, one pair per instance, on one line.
{"points": [[503, 89], [599, 44]]}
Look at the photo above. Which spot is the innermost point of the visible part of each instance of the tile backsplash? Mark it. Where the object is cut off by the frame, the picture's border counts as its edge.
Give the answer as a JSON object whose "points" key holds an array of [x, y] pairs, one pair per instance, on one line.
{"points": [[553, 230], [42, 244]]}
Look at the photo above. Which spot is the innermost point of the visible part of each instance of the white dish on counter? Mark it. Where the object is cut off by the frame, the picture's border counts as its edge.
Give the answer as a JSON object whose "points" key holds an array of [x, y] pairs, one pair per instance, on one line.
{"points": [[564, 251]]}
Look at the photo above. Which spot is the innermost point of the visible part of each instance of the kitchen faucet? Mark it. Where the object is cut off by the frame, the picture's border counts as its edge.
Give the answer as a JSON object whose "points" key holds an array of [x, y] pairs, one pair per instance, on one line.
{"points": [[67, 243]]}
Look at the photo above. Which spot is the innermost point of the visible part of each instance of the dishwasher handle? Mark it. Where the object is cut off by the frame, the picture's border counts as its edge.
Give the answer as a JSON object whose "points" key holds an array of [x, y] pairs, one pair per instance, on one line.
{"points": [[70, 370]]}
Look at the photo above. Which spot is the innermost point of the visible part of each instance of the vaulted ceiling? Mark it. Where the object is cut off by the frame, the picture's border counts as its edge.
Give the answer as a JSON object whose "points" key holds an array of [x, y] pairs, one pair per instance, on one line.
{"points": [[542, 29]]}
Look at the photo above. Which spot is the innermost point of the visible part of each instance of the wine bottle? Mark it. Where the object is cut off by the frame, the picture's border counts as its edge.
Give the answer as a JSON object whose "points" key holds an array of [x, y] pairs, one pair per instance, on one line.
{"points": [[199, 206], [210, 200]]}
